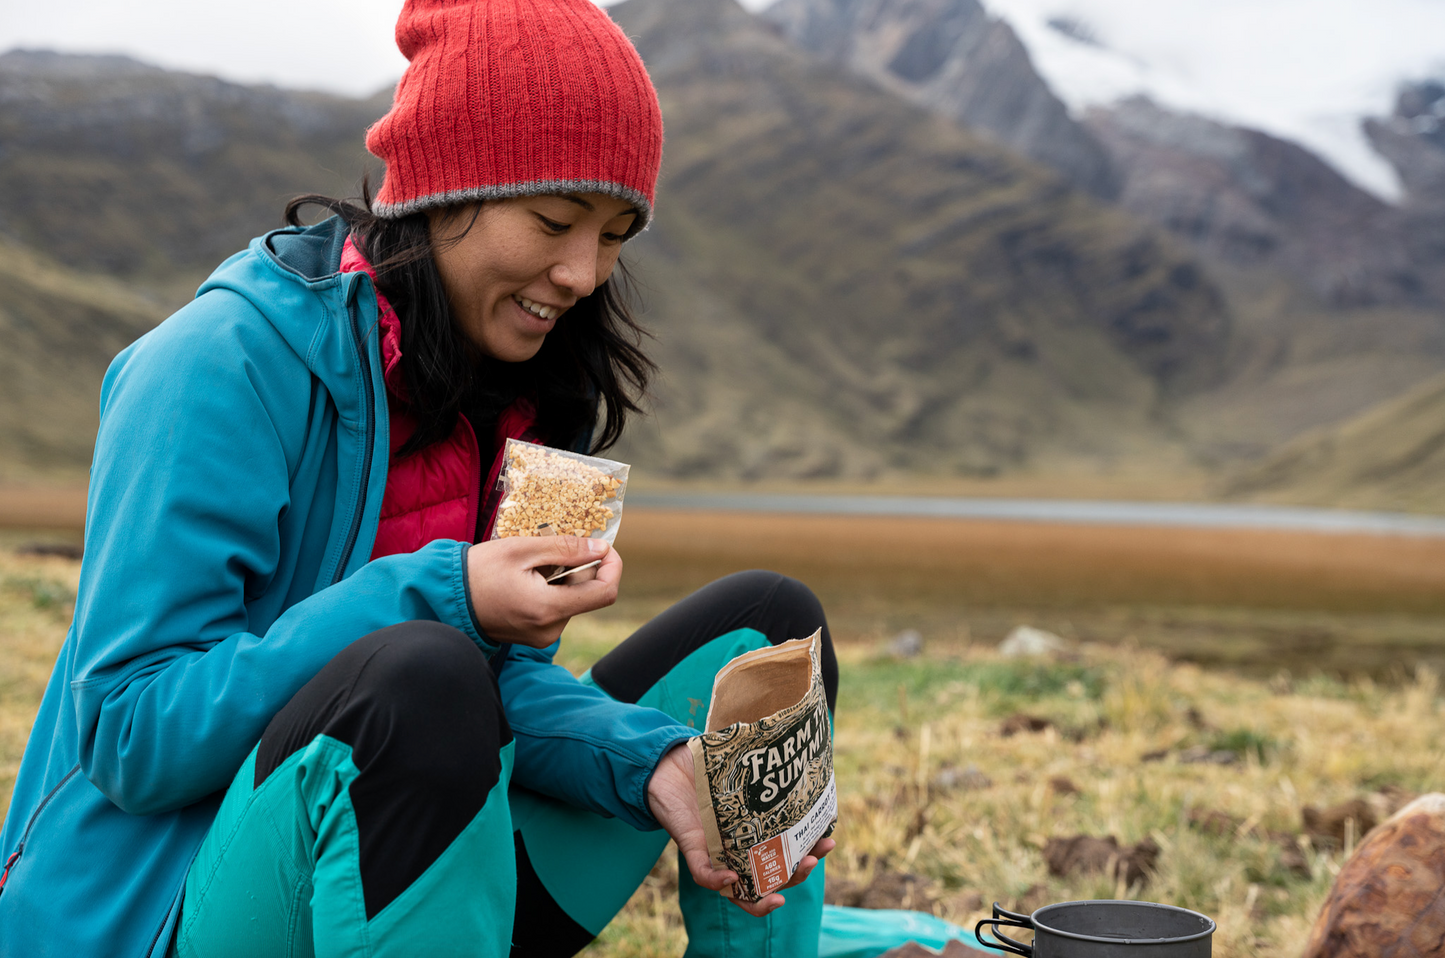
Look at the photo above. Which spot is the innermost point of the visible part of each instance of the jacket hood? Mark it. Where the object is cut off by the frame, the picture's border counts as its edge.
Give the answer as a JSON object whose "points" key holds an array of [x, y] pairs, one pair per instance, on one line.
{"points": [[292, 277]]}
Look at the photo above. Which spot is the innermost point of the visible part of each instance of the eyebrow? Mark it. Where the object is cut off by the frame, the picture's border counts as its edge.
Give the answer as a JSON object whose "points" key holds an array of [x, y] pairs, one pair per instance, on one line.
{"points": [[574, 198]]}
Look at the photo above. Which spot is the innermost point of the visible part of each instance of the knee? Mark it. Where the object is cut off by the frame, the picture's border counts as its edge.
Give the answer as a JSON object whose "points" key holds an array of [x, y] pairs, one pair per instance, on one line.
{"points": [[793, 611], [430, 701], [420, 666], [417, 699]]}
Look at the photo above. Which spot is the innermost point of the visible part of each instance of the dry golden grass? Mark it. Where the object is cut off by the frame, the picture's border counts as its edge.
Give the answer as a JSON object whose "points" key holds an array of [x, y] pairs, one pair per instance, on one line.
{"points": [[1031, 563], [1254, 600], [35, 609], [51, 506], [900, 724]]}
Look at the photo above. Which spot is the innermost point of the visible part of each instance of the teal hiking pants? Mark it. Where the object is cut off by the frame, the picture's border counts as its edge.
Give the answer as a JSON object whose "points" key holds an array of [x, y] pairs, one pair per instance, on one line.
{"points": [[377, 817]]}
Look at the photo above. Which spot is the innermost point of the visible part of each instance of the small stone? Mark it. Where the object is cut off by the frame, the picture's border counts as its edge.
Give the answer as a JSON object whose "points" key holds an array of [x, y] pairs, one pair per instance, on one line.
{"points": [[1027, 641], [969, 777], [1023, 722], [1204, 755], [907, 644]]}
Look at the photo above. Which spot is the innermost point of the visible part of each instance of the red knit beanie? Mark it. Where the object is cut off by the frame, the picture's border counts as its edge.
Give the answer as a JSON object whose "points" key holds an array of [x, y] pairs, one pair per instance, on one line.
{"points": [[511, 98]]}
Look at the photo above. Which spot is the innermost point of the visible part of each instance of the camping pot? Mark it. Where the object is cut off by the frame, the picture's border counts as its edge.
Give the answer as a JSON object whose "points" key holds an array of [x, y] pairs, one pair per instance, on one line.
{"points": [[1104, 929]]}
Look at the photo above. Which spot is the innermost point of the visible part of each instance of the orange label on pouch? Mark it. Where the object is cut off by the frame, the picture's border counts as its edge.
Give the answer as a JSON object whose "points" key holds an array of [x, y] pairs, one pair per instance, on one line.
{"points": [[771, 868]]}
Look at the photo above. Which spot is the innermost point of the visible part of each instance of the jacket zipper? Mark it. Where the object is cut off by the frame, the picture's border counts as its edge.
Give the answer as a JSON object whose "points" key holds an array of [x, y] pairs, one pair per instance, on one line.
{"points": [[20, 848], [364, 360]]}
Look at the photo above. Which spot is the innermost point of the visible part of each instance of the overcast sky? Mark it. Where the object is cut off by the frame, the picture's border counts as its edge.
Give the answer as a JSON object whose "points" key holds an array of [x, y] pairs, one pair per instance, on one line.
{"points": [[1305, 69]]}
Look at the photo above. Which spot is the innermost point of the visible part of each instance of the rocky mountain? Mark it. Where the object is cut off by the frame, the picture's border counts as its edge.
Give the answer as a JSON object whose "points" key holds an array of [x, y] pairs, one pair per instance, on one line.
{"points": [[912, 296], [841, 283], [952, 57], [1413, 140], [1252, 200], [112, 165]]}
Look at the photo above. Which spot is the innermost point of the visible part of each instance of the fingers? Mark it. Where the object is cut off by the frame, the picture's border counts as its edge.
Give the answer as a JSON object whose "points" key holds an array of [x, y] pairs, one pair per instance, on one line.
{"points": [[704, 874], [766, 905], [597, 592], [536, 551], [513, 603], [804, 869]]}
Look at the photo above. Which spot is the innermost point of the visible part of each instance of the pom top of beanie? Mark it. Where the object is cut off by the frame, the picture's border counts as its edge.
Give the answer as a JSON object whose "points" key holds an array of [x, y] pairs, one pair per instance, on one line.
{"points": [[506, 98]]}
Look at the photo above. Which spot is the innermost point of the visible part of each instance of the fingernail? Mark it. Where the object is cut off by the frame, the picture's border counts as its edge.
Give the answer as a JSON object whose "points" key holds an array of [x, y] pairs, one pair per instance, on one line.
{"points": [[596, 546]]}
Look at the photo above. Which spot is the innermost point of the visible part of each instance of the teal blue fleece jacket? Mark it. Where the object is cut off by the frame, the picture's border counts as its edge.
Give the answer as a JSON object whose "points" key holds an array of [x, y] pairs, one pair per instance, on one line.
{"points": [[234, 497]]}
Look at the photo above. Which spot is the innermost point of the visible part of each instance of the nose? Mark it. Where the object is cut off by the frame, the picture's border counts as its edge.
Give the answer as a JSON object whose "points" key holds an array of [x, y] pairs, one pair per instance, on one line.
{"points": [[576, 268]]}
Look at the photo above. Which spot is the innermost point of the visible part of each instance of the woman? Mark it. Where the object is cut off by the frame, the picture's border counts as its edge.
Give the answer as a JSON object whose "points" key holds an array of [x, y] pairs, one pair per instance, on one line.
{"points": [[298, 711]]}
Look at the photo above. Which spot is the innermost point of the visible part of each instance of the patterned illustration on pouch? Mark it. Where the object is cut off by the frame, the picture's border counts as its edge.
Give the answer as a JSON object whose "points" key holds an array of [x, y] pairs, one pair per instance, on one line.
{"points": [[767, 776]]}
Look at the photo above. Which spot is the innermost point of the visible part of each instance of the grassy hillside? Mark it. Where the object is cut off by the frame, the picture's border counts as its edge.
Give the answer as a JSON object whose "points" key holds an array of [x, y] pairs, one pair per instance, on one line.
{"points": [[842, 285], [1390, 457], [61, 327]]}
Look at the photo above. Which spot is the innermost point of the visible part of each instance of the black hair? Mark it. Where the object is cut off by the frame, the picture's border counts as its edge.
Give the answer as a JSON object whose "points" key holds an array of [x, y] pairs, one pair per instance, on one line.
{"points": [[591, 365]]}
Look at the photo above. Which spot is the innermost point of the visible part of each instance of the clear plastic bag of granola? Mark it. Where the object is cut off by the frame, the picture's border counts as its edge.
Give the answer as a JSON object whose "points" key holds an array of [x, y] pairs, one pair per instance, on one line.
{"points": [[548, 491]]}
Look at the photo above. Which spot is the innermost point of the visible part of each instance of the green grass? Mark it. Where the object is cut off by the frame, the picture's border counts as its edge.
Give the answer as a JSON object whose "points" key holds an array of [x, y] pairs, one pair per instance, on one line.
{"points": [[902, 723]]}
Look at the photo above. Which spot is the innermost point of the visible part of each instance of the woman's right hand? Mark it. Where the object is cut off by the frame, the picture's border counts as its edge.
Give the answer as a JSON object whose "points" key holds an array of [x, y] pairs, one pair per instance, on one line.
{"points": [[514, 604]]}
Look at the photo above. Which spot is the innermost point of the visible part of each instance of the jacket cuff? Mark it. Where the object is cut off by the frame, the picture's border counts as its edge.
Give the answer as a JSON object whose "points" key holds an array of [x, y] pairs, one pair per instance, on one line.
{"points": [[681, 734], [472, 627]]}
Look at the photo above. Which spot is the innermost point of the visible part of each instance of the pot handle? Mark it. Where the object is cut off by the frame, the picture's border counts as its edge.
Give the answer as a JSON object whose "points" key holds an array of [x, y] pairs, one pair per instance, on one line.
{"points": [[1003, 918]]}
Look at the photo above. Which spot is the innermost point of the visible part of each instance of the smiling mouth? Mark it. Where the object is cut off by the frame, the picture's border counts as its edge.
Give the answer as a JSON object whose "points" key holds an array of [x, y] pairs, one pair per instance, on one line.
{"points": [[537, 309]]}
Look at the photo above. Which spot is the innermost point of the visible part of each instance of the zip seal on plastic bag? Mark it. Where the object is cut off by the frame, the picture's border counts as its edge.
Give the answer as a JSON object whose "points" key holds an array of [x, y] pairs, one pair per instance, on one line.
{"points": [[565, 492]]}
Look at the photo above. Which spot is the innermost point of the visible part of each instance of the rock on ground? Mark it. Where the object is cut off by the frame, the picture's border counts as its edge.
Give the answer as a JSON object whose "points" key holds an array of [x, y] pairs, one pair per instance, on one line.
{"points": [[1029, 641], [1389, 899]]}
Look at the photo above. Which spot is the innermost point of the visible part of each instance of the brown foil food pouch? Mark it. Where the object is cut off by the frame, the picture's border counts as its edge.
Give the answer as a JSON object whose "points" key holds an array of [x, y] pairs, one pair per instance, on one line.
{"points": [[763, 767]]}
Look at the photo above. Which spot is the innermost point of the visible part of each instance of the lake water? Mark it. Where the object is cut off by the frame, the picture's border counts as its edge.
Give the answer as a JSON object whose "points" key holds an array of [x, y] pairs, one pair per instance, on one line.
{"points": [[1086, 512]]}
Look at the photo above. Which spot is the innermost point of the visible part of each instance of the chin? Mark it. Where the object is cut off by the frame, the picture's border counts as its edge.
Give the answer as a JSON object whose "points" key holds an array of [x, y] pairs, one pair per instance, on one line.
{"points": [[518, 352]]}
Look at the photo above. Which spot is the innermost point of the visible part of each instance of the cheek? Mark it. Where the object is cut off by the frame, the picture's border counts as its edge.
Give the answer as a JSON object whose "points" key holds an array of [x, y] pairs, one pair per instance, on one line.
{"points": [[606, 263]]}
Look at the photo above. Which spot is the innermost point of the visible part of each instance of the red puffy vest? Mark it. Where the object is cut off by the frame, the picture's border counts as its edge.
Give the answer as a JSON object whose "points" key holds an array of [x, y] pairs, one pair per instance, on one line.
{"points": [[434, 493]]}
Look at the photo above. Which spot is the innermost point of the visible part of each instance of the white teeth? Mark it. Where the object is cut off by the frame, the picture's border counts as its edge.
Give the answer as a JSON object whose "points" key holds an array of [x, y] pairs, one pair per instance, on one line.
{"points": [[537, 309]]}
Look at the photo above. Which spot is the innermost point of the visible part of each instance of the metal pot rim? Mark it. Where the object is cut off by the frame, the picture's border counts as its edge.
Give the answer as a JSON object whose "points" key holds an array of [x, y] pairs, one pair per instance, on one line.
{"points": [[1041, 925]]}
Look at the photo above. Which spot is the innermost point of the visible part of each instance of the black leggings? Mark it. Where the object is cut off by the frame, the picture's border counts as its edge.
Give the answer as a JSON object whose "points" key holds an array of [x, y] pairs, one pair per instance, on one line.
{"points": [[421, 692]]}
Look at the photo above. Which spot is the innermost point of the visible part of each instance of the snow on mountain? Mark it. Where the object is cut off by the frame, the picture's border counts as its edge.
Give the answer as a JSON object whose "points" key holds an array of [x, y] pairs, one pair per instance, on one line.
{"points": [[1304, 70]]}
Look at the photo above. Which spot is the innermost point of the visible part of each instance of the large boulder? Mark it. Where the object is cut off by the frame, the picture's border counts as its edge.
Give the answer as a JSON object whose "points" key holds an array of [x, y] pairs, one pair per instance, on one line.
{"points": [[1389, 899]]}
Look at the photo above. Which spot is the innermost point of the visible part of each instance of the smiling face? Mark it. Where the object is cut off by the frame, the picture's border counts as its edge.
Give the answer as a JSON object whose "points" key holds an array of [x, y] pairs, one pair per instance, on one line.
{"points": [[524, 263]]}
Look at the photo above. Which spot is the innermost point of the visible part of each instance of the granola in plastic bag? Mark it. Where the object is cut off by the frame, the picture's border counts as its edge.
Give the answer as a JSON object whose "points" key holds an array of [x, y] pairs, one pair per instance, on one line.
{"points": [[548, 491], [763, 767]]}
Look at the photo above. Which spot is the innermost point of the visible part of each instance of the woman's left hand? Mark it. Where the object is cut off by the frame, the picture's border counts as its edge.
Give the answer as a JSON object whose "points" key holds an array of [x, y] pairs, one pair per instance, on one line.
{"points": [[673, 798]]}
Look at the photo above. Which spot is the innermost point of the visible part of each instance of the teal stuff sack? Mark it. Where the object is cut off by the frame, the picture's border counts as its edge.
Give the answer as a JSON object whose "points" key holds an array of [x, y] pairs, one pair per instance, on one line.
{"points": [[868, 932]]}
